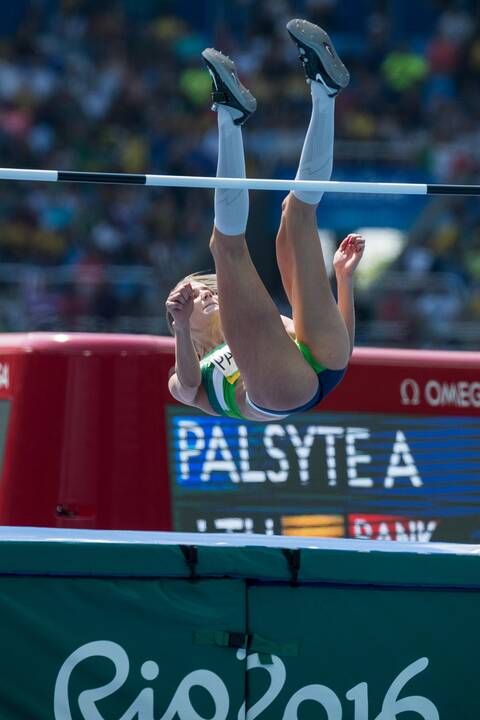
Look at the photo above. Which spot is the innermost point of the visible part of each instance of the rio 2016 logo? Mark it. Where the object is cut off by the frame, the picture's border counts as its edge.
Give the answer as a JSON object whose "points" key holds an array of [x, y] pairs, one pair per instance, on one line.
{"points": [[181, 706]]}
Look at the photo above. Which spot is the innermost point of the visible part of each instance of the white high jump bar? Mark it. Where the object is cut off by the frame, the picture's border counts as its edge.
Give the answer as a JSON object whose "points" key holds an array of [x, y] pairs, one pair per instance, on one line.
{"points": [[235, 183]]}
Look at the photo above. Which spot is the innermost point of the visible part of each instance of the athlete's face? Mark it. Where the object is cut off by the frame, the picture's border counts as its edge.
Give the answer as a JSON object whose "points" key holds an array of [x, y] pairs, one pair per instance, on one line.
{"points": [[205, 315]]}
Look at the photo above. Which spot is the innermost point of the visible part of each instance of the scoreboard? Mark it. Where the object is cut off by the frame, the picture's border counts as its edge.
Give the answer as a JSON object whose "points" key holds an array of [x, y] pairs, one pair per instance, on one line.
{"points": [[394, 456], [327, 474], [91, 438]]}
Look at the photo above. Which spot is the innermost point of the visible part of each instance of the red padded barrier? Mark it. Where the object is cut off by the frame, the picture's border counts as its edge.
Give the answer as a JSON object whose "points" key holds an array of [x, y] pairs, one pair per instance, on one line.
{"points": [[83, 420]]}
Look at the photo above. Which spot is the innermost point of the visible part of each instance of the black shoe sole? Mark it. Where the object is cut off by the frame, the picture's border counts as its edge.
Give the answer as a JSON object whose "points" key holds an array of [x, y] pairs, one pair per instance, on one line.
{"points": [[319, 55]]}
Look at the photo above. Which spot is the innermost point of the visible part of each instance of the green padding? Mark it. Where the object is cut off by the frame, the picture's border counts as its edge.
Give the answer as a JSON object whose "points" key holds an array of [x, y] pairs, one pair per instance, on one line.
{"points": [[110, 648], [418, 644], [91, 558], [393, 569], [255, 643], [93, 627], [123, 559]]}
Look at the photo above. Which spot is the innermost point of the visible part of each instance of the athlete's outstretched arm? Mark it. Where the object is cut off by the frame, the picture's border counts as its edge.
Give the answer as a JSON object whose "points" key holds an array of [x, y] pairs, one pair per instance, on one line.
{"points": [[184, 383], [345, 262]]}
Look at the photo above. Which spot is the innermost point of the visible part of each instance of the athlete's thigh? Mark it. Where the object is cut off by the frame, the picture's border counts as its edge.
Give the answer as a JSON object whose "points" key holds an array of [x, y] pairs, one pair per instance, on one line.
{"points": [[274, 371]]}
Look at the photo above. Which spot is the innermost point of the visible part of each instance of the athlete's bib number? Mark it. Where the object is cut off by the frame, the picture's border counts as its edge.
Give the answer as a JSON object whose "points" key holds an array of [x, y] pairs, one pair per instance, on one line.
{"points": [[222, 358]]}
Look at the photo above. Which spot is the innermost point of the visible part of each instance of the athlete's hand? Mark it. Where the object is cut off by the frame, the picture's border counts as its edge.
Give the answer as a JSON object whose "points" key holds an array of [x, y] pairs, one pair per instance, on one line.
{"points": [[348, 255], [180, 305]]}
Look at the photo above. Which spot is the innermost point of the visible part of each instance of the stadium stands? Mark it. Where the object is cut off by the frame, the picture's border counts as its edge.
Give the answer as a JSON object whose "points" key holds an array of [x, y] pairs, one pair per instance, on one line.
{"points": [[119, 86]]}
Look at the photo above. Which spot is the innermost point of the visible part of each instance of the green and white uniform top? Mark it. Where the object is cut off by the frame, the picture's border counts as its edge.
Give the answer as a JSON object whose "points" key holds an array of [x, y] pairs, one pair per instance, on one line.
{"points": [[219, 377]]}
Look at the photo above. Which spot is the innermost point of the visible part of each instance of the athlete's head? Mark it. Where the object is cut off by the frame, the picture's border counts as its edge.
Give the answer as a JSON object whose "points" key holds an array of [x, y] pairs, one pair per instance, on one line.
{"points": [[205, 324]]}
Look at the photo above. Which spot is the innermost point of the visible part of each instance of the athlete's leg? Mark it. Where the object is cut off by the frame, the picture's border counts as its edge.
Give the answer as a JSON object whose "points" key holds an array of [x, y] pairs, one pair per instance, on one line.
{"points": [[284, 255], [317, 319], [316, 163], [274, 372]]}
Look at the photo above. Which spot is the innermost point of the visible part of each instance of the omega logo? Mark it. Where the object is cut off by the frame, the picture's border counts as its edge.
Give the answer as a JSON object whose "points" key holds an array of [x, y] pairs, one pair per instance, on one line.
{"points": [[462, 393], [410, 392]]}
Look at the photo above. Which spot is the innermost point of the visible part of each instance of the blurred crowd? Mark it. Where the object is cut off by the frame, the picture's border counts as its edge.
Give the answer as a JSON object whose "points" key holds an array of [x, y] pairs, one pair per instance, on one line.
{"points": [[120, 86]]}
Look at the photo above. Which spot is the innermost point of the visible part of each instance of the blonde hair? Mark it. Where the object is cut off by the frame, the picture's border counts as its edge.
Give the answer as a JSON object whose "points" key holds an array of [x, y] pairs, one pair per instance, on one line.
{"points": [[207, 279]]}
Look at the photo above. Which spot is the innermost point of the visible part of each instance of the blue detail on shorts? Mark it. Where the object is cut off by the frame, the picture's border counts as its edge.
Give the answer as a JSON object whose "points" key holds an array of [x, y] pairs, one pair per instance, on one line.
{"points": [[327, 381]]}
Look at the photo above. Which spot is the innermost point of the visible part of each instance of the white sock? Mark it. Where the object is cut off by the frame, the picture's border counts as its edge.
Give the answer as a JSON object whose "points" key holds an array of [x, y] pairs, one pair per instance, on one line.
{"points": [[316, 160], [231, 206]]}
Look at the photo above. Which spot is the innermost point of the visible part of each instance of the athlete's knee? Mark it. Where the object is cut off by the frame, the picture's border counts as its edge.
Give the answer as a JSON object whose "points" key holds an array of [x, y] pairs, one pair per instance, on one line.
{"points": [[338, 361], [337, 357], [336, 354], [342, 352]]}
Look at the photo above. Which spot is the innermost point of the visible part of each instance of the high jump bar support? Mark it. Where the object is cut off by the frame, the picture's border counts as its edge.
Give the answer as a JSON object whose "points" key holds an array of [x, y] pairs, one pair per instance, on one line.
{"points": [[236, 183]]}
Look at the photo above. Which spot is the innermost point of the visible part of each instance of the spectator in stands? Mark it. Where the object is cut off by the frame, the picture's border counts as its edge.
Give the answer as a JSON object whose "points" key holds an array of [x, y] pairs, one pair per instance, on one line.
{"points": [[117, 86]]}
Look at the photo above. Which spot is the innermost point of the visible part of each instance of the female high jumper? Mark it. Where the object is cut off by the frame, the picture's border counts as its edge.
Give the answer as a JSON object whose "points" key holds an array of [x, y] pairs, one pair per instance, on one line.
{"points": [[236, 355]]}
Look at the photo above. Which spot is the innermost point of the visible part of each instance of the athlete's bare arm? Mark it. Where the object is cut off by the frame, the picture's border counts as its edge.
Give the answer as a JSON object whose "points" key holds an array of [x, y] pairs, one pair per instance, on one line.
{"points": [[186, 380], [345, 263]]}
